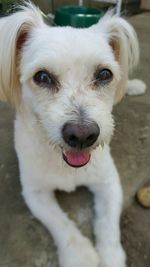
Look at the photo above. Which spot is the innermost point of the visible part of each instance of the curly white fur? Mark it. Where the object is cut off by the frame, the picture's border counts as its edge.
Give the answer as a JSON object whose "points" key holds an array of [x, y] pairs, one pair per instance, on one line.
{"points": [[29, 45]]}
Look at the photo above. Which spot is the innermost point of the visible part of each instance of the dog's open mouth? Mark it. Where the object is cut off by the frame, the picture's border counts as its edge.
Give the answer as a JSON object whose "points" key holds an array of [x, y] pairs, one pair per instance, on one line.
{"points": [[76, 158]]}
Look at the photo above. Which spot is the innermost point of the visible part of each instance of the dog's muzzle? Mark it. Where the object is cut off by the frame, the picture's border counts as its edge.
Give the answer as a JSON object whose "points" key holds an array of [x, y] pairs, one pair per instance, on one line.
{"points": [[79, 137]]}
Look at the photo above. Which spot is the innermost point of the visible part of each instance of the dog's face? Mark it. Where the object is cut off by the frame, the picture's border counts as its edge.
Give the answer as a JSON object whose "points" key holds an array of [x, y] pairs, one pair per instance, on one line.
{"points": [[70, 79]]}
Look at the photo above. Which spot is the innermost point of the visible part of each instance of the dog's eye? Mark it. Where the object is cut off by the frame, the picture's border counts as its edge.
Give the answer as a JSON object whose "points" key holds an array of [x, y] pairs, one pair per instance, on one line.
{"points": [[44, 79], [103, 76]]}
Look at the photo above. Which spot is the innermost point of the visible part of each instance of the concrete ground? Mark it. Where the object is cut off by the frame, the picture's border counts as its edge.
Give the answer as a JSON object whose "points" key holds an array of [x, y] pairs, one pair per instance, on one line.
{"points": [[24, 242]]}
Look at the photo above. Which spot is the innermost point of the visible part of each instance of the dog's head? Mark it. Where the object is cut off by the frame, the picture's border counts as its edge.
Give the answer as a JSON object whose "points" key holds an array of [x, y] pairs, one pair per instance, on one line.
{"points": [[68, 78]]}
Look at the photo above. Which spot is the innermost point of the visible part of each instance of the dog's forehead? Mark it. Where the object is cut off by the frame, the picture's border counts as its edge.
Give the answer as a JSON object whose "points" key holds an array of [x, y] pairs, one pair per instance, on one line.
{"points": [[70, 42], [67, 34], [64, 49]]}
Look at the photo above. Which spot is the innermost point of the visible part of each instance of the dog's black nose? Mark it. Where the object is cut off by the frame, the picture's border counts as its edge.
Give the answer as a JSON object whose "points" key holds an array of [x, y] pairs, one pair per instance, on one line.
{"points": [[80, 136]]}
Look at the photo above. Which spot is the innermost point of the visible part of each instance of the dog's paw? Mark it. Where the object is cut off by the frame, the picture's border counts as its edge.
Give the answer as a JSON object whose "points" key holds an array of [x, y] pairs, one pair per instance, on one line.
{"points": [[112, 257], [79, 253]]}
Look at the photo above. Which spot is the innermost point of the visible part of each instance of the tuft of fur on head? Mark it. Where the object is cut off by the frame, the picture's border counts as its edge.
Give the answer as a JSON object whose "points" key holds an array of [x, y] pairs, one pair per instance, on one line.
{"points": [[13, 31]]}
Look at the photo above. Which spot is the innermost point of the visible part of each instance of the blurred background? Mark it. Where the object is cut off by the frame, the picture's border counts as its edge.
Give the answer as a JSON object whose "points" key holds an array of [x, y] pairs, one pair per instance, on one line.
{"points": [[47, 6]]}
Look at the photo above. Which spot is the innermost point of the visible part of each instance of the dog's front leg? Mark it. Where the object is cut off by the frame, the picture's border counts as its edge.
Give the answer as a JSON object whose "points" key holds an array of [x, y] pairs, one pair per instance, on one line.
{"points": [[74, 250], [108, 204]]}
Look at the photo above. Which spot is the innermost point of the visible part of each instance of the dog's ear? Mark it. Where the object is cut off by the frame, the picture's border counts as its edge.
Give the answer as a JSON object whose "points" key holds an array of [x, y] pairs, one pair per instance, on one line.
{"points": [[14, 31], [123, 41]]}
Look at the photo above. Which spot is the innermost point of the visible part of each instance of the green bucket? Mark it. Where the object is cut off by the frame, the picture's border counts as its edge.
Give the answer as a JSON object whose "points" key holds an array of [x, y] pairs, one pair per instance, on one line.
{"points": [[77, 16]]}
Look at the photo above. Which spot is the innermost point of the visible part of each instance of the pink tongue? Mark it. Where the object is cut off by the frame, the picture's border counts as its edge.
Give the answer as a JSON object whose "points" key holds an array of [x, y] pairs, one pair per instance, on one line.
{"points": [[77, 158]]}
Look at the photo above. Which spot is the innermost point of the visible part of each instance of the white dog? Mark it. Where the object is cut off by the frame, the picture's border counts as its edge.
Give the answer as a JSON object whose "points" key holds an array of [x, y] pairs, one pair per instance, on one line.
{"points": [[63, 83]]}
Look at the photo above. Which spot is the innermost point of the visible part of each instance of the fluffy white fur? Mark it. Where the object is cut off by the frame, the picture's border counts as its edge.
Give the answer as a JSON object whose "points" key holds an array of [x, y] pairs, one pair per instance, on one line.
{"points": [[136, 87], [28, 45]]}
